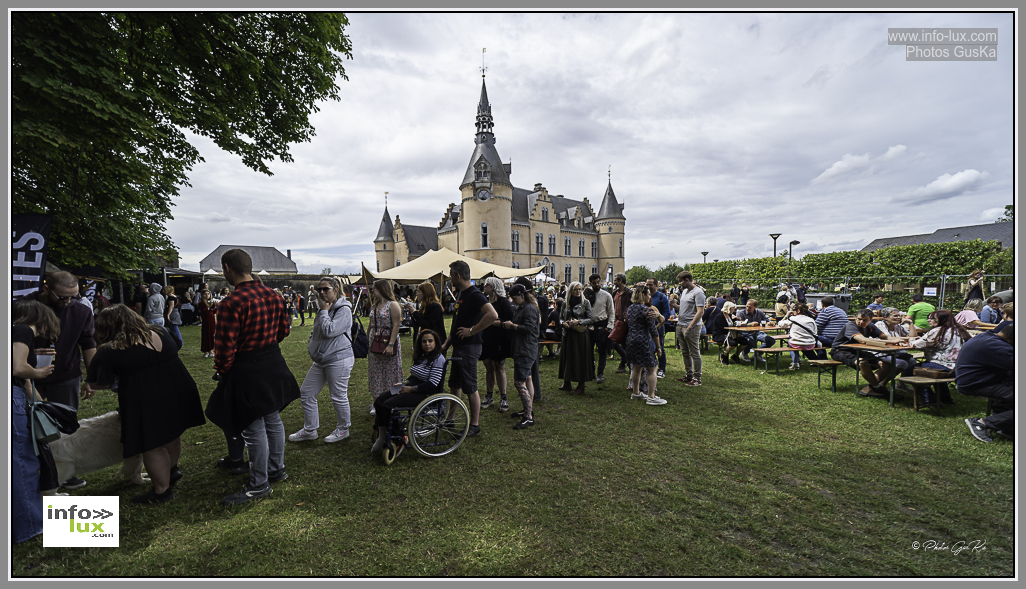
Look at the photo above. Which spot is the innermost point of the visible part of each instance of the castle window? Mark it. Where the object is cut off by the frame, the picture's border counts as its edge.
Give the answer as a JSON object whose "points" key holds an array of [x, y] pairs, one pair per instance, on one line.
{"points": [[516, 241], [552, 270], [516, 265], [379, 266], [397, 263], [609, 273], [594, 269], [594, 250], [566, 246], [552, 245], [610, 229], [580, 248], [568, 274], [484, 234], [621, 248], [481, 172], [539, 243], [581, 268], [545, 214]]}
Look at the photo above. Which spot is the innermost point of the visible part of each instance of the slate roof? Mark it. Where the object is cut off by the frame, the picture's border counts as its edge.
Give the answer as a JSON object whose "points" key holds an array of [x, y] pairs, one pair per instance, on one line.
{"points": [[610, 207], [420, 239], [385, 229], [264, 258], [1000, 232]]}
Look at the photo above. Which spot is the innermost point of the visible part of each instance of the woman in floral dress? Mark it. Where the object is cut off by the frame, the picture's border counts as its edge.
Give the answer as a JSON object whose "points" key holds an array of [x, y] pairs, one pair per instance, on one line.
{"points": [[386, 369]]}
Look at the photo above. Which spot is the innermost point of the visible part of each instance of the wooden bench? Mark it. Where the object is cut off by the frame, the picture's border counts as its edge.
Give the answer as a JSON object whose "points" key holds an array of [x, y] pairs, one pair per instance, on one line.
{"points": [[821, 367], [776, 352], [920, 382]]}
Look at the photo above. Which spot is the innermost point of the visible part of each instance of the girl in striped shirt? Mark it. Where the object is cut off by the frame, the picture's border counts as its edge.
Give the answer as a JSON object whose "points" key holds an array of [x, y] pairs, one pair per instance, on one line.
{"points": [[425, 380]]}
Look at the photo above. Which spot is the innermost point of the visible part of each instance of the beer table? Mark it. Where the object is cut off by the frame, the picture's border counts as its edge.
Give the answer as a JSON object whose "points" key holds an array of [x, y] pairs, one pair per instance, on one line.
{"points": [[890, 349]]}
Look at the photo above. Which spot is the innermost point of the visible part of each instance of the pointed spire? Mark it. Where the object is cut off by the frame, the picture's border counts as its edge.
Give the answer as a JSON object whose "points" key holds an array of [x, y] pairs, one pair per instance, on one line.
{"points": [[385, 229], [610, 207], [484, 115]]}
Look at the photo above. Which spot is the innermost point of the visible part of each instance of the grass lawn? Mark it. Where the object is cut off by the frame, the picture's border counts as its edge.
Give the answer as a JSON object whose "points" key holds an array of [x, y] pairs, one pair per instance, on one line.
{"points": [[748, 475]]}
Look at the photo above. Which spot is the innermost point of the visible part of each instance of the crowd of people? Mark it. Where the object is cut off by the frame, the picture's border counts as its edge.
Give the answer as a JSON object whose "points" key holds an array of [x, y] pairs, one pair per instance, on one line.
{"points": [[134, 350]]}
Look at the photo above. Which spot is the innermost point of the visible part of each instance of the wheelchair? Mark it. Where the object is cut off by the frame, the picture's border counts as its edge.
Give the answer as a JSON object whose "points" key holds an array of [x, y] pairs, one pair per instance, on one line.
{"points": [[427, 427]]}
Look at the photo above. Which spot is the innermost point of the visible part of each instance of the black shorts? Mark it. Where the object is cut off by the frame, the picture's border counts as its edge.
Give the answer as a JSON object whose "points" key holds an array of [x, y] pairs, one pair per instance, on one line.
{"points": [[463, 373], [850, 357], [522, 368]]}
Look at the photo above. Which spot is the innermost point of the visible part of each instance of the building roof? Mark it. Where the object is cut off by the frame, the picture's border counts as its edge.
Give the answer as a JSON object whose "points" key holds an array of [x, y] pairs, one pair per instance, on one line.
{"points": [[1003, 233], [484, 148], [264, 258], [610, 208], [420, 240], [385, 229]]}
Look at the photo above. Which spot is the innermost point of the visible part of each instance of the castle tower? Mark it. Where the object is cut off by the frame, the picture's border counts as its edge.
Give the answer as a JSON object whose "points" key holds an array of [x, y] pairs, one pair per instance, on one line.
{"points": [[610, 224], [487, 196], [384, 244]]}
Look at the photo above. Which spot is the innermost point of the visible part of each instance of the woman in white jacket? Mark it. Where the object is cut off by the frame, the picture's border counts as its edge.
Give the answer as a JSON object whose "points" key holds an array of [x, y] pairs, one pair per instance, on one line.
{"points": [[802, 334], [332, 354]]}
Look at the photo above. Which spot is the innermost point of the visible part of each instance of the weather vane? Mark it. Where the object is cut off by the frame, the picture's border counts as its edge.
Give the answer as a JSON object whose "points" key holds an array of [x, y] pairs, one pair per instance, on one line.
{"points": [[386, 199], [483, 68], [610, 172]]}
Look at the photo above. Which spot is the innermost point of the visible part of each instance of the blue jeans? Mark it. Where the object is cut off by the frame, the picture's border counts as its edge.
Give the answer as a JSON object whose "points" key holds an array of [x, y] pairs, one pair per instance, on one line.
{"points": [[175, 335], [265, 440], [661, 350], [825, 343], [26, 501]]}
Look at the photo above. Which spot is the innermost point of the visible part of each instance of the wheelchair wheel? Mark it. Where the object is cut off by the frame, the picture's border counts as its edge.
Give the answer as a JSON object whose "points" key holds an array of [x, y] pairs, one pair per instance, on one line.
{"points": [[389, 454], [431, 432]]}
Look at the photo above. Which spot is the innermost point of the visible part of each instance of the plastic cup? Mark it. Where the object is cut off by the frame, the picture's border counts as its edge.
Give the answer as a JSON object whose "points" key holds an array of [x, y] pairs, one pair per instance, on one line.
{"points": [[44, 360]]}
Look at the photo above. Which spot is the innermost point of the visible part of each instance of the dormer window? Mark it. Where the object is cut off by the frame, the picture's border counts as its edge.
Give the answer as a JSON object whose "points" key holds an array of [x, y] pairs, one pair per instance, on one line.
{"points": [[545, 214], [482, 172]]}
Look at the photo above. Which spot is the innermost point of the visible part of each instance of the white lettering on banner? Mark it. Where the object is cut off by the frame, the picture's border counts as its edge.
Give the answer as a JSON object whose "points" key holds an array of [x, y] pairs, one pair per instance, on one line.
{"points": [[25, 278], [40, 242], [81, 521], [21, 262]]}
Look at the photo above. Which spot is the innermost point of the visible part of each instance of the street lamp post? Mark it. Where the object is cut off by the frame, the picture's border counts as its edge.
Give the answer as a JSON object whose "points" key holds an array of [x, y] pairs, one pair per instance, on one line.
{"points": [[790, 254], [704, 254], [775, 236]]}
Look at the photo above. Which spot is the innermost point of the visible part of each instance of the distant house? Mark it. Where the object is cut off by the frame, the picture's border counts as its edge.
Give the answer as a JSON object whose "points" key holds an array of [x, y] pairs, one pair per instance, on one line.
{"points": [[264, 258], [1003, 233]]}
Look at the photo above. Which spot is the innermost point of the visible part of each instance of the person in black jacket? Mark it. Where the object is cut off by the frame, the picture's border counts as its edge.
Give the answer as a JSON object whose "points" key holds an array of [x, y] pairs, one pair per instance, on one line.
{"points": [[430, 315]]}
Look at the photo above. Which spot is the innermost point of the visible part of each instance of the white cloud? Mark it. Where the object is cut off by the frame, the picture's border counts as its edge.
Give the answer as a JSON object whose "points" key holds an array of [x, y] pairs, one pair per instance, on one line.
{"points": [[852, 163], [993, 214], [946, 186]]}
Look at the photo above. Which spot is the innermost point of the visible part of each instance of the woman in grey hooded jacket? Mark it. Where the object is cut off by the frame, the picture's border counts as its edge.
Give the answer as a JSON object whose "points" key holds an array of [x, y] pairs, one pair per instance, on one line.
{"points": [[332, 355]]}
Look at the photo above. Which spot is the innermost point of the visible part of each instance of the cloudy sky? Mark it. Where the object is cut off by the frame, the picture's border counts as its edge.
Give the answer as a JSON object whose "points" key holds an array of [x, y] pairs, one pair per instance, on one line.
{"points": [[720, 129]]}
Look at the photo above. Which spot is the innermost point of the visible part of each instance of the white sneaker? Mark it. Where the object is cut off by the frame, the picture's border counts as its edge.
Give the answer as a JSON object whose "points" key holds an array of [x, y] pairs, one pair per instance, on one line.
{"points": [[655, 401], [336, 436], [303, 436], [639, 396], [372, 411]]}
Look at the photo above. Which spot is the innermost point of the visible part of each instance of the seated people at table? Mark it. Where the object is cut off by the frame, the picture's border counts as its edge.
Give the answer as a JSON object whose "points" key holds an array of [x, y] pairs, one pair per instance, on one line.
{"points": [[894, 325], [991, 312], [829, 322], [1007, 317], [877, 303], [749, 314], [862, 331], [941, 344], [783, 305], [425, 380], [969, 317], [802, 334], [986, 368], [720, 322], [919, 311], [707, 314]]}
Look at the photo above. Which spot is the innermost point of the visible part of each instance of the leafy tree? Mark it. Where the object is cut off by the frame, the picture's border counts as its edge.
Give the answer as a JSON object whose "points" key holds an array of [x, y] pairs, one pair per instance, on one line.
{"points": [[325, 271], [668, 273], [638, 274], [1009, 214], [101, 101]]}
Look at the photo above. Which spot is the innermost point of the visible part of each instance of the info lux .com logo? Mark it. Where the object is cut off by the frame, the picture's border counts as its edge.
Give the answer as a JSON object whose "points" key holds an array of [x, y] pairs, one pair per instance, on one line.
{"points": [[80, 521]]}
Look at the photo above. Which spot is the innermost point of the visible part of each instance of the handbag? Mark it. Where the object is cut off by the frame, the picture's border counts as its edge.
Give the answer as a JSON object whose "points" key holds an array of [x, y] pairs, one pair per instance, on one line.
{"points": [[47, 420], [619, 333], [379, 343], [931, 373]]}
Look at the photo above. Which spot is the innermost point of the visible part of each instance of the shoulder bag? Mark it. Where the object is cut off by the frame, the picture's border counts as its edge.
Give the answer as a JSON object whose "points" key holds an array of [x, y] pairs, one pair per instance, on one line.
{"points": [[48, 420], [379, 343]]}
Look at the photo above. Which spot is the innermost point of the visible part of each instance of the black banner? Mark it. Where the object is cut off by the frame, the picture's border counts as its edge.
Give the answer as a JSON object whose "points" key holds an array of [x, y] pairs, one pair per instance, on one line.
{"points": [[30, 236]]}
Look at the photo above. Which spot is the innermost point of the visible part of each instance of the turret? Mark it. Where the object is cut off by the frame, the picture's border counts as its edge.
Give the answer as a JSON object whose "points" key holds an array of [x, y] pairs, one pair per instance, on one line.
{"points": [[384, 244], [610, 224]]}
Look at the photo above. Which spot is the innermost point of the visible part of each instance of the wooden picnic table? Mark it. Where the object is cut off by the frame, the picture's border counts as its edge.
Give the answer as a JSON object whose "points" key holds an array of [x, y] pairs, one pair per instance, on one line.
{"points": [[890, 349], [751, 328]]}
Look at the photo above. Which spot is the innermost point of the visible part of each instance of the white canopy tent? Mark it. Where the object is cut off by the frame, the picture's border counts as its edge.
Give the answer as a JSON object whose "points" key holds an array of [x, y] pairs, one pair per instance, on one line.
{"points": [[434, 266]]}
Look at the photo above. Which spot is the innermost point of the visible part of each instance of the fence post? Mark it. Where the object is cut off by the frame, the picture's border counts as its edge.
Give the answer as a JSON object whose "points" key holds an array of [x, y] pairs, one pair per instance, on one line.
{"points": [[944, 279]]}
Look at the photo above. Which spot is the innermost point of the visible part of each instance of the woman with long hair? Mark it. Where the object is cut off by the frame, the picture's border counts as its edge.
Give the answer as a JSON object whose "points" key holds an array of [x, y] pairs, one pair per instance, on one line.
{"points": [[524, 346], [208, 316], [575, 361], [429, 315], [974, 287], [384, 368], [495, 343], [641, 344], [332, 355], [31, 476], [425, 380], [941, 345], [157, 397]]}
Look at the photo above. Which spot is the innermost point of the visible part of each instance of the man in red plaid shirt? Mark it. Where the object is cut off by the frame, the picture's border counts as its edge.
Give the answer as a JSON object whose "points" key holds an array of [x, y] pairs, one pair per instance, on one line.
{"points": [[254, 382]]}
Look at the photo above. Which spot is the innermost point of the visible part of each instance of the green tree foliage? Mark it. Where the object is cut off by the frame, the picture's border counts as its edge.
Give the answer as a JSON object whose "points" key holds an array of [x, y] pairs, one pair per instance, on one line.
{"points": [[101, 103], [638, 274], [668, 273], [1009, 214]]}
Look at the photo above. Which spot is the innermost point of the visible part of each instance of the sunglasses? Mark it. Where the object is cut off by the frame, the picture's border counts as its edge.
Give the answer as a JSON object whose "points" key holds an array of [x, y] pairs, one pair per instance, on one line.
{"points": [[66, 299], [324, 289]]}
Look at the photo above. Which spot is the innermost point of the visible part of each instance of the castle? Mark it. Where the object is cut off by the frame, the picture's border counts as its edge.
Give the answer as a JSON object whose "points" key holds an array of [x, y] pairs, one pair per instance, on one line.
{"points": [[499, 223]]}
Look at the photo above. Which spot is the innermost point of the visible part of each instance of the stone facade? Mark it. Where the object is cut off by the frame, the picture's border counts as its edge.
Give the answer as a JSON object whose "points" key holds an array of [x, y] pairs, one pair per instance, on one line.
{"points": [[499, 223]]}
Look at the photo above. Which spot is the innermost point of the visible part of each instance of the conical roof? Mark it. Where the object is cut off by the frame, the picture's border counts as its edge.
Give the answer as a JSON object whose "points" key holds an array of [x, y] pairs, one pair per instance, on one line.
{"points": [[385, 229], [610, 209], [484, 148]]}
